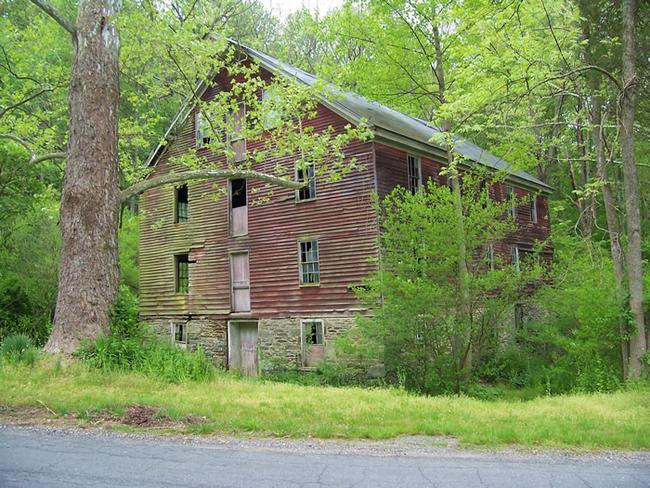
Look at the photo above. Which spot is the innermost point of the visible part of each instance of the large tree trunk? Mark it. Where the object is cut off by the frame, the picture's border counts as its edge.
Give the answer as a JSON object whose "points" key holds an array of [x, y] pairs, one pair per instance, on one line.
{"points": [[631, 184], [89, 267]]}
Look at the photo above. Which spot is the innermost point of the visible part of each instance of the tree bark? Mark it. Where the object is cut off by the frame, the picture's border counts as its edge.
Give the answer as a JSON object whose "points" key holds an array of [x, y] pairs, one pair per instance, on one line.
{"points": [[631, 184], [89, 266]]}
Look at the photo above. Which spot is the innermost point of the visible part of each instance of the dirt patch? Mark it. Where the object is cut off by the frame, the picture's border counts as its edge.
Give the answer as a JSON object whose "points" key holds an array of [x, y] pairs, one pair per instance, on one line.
{"points": [[145, 416]]}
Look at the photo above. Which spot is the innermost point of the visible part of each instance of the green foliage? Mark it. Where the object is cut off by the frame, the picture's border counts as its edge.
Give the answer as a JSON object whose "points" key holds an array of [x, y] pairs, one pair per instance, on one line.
{"points": [[148, 355], [420, 313], [19, 349], [128, 241], [125, 316]]}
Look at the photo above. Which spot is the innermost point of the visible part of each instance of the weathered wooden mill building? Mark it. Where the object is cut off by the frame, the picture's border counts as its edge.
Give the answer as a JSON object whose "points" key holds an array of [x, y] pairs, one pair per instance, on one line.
{"points": [[268, 286]]}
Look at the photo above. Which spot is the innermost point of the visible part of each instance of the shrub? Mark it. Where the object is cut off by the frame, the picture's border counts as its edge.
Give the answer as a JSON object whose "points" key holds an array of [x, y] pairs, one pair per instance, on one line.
{"points": [[125, 319], [147, 355], [18, 349]]}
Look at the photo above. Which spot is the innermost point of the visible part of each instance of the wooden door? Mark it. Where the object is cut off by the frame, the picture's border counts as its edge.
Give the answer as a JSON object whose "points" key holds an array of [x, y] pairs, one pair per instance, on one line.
{"points": [[248, 354], [241, 299]]}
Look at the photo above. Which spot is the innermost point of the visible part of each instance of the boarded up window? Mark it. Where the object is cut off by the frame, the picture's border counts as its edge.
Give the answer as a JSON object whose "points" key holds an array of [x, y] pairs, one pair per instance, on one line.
{"points": [[182, 273], [181, 200], [309, 263], [238, 208], [313, 342], [306, 174], [241, 300], [203, 130], [414, 173]]}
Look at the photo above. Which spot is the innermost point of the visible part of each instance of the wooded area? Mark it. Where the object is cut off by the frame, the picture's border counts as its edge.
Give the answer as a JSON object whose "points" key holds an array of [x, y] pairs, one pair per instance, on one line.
{"points": [[558, 88]]}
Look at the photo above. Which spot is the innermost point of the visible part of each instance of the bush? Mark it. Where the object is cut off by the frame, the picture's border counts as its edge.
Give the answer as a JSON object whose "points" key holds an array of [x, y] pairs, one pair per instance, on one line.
{"points": [[147, 355], [18, 349], [125, 318]]}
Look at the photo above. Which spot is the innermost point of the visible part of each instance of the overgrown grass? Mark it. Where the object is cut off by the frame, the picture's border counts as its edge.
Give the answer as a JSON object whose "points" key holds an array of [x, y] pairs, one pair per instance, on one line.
{"points": [[242, 406]]}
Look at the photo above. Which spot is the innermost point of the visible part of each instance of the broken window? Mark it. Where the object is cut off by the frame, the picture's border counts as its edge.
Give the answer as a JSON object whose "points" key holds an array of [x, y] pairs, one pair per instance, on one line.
{"points": [[313, 342], [306, 174], [309, 263], [510, 198], [414, 173], [203, 130], [182, 273], [180, 333], [533, 209], [238, 208], [180, 211]]}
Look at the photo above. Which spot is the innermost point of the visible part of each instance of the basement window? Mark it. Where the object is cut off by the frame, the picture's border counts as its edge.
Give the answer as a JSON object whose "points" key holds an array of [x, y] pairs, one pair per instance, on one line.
{"points": [[182, 264], [180, 206], [306, 174], [180, 333], [313, 332], [309, 263], [414, 173]]}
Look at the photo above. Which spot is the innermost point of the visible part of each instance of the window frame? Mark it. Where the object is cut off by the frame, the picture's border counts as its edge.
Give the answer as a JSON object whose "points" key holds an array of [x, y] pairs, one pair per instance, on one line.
{"points": [[510, 197], [177, 273], [411, 178], [177, 213], [489, 255], [311, 183], [303, 335], [173, 329], [534, 218], [272, 118], [317, 262]]}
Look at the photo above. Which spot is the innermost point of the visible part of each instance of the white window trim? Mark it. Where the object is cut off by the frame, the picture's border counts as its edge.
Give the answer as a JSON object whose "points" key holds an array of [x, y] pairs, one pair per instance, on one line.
{"points": [[514, 253], [172, 331], [511, 196], [198, 132], [320, 271]]}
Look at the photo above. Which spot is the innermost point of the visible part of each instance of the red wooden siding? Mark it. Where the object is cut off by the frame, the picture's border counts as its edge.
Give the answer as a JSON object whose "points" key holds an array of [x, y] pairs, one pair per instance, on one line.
{"points": [[341, 218]]}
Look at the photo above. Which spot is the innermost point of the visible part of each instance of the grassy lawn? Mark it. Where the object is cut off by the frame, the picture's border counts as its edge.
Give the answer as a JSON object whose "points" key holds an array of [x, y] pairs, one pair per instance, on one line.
{"points": [[239, 406]]}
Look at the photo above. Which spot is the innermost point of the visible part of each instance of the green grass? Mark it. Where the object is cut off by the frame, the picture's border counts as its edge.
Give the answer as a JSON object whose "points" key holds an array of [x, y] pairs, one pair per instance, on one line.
{"points": [[240, 406]]}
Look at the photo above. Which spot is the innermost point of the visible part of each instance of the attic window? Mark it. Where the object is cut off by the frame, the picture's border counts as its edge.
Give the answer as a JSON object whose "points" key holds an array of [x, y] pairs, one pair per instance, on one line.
{"points": [[203, 130], [510, 198], [270, 113], [181, 199], [414, 173], [533, 209], [306, 174]]}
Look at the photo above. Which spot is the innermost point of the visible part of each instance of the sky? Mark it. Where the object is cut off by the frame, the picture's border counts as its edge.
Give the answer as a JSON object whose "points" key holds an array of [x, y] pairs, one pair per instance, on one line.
{"points": [[282, 8]]}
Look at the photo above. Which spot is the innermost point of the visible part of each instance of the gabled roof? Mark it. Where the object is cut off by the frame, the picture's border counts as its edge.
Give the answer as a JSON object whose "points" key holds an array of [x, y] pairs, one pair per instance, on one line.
{"points": [[388, 125]]}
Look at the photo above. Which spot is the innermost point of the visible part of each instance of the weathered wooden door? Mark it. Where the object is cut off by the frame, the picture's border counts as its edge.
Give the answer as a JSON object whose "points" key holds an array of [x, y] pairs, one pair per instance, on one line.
{"points": [[242, 344], [241, 297]]}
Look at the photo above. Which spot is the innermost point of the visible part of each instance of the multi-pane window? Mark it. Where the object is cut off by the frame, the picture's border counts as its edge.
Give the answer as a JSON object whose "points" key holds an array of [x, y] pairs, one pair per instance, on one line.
{"points": [[182, 264], [203, 130], [309, 263], [180, 211], [533, 209], [514, 250], [306, 174], [510, 196], [414, 173]]}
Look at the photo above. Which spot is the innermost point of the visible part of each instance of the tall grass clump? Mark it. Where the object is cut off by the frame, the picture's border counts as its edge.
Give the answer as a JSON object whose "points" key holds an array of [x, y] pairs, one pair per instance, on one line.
{"points": [[19, 349], [147, 355]]}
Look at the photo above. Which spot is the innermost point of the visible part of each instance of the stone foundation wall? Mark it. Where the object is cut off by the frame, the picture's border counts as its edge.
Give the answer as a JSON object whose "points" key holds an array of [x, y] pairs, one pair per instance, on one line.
{"points": [[211, 334], [278, 338]]}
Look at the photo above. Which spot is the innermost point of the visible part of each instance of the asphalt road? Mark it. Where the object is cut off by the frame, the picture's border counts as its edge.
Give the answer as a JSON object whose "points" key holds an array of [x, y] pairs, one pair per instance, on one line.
{"points": [[40, 457]]}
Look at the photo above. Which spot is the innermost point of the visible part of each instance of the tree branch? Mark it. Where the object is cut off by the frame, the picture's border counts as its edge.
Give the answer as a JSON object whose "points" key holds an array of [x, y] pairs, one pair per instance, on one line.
{"points": [[49, 9], [204, 174], [33, 158]]}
